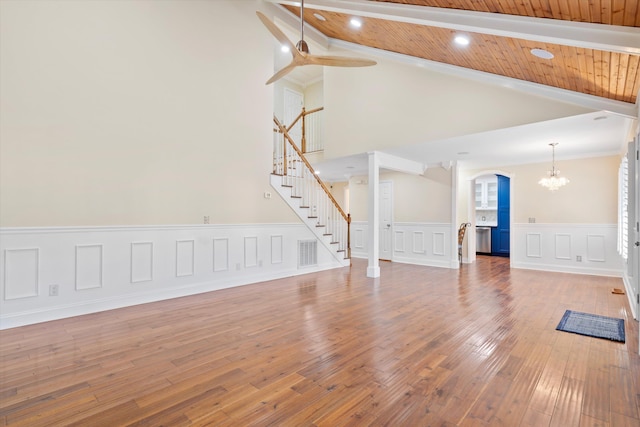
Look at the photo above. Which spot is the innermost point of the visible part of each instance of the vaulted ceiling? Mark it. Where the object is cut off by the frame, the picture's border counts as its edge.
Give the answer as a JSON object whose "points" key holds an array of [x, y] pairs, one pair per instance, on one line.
{"points": [[596, 63], [595, 44]]}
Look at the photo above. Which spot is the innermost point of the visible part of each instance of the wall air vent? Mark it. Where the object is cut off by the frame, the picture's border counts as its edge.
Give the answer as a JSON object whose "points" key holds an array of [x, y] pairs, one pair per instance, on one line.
{"points": [[307, 253]]}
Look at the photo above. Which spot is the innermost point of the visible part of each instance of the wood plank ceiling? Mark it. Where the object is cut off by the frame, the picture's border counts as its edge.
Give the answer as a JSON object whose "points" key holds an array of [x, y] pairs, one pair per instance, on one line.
{"points": [[610, 74]]}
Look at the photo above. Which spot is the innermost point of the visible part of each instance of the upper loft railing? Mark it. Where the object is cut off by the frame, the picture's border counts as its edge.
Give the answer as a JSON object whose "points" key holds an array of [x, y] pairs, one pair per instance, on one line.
{"points": [[312, 129], [297, 173]]}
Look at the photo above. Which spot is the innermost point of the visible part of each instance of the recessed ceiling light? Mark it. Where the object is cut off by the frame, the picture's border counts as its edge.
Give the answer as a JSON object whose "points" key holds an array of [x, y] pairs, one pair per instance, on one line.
{"points": [[463, 153], [319, 17], [316, 172], [541, 53], [355, 23], [350, 167], [285, 49], [461, 40]]}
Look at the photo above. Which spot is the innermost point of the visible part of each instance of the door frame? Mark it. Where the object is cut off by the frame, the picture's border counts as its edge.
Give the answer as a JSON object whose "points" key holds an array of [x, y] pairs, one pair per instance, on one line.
{"points": [[391, 248], [471, 211]]}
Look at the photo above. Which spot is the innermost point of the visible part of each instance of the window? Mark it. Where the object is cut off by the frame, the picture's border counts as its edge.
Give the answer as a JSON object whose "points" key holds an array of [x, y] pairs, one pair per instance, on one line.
{"points": [[623, 208]]}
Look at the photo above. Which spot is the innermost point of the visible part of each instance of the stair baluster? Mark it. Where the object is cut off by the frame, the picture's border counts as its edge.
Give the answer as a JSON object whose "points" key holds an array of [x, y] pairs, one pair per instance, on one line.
{"points": [[297, 173]]}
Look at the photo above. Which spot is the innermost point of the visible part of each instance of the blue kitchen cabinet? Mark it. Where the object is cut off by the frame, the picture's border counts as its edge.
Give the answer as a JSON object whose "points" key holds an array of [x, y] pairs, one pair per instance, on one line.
{"points": [[500, 235]]}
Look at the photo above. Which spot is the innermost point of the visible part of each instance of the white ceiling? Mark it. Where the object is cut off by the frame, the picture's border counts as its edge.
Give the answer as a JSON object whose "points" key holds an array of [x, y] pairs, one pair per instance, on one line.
{"points": [[588, 135]]}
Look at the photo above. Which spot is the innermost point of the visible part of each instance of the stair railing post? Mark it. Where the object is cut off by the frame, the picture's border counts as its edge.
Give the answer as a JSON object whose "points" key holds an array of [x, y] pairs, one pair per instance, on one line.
{"points": [[304, 138], [284, 155], [349, 235]]}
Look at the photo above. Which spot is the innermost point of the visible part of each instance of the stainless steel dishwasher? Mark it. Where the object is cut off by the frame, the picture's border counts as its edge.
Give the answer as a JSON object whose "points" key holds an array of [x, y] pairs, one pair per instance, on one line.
{"points": [[483, 240]]}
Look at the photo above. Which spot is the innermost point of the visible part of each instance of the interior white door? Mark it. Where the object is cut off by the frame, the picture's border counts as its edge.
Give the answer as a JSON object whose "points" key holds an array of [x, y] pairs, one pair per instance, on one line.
{"points": [[293, 103], [386, 220]]}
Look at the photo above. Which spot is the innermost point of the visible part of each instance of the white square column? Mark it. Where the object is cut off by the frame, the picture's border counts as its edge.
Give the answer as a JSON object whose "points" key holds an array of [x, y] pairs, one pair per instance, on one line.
{"points": [[373, 201]]}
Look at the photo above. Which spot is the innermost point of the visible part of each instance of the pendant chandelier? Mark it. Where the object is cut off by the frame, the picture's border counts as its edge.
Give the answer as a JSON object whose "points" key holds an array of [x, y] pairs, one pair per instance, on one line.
{"points": [[554, 180]]}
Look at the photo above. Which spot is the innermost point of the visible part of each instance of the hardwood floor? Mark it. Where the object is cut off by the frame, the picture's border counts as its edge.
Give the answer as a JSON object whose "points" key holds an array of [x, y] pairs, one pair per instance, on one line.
{"points": [[418, 347]]}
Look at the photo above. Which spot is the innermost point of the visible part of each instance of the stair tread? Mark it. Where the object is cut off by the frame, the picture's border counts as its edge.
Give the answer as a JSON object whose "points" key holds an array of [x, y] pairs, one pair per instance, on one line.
{"points": [[314, 217]]}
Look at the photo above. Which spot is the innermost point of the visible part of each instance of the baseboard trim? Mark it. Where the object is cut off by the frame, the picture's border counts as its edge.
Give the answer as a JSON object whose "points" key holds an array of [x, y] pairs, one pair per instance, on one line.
{"points": [[563, 269], [630, 292], [427, 263]]}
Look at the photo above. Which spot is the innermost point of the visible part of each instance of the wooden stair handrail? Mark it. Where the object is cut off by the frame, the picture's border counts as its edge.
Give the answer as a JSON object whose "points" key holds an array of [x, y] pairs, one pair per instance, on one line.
{"points": [[284, 132], [301, 115], [304, 113]]}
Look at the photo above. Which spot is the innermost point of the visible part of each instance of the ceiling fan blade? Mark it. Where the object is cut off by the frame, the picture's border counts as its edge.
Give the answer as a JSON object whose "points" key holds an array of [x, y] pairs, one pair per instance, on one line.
{"points": [[303, 57], [286, 70], [337, 61], [276, 32]]}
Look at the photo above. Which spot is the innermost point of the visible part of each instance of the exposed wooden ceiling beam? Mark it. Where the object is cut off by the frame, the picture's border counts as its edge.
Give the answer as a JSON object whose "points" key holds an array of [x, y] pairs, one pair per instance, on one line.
{"points": [[579, 34]]}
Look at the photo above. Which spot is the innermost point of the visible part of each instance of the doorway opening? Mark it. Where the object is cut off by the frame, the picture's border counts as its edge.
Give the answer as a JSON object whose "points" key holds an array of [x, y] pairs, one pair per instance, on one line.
{"points": [[490, 214], [386, 220]]}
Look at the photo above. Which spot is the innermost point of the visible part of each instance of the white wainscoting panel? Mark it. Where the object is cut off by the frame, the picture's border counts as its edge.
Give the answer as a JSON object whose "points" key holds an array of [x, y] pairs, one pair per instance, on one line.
{"points": [[417, 236], [102, 268], [596, 248], [398, 241], [185, 258], [88, 266], [438, 243], [221, 254], [557, 247], [141, 262], [563, 246], [276, 249], [359, 234], [21, 271], [250, 251], [534, 245], [418, 242]]}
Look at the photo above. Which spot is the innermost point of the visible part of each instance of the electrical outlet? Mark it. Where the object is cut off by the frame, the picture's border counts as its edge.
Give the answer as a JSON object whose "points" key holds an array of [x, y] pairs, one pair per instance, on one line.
{"points": [[238, 266], [207, 219], [579, 258], [260, 263], [53, 290], [532, 220], [267, 195]]}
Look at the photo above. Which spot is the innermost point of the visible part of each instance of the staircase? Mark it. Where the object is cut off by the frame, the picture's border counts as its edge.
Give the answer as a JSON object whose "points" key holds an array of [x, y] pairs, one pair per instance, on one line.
{"points": [[294, 179]]}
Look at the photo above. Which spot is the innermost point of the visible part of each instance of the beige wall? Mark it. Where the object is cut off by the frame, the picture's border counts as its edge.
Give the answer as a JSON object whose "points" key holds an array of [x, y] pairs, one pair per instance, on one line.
{"points": [[135, 112], [393, 104], [337, 191], [314, 96], [415, 198], [589, 198]]}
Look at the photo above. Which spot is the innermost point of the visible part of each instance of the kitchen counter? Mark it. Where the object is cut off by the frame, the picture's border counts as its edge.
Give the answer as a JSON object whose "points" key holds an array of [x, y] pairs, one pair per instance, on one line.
{"points": [[486, 224]]}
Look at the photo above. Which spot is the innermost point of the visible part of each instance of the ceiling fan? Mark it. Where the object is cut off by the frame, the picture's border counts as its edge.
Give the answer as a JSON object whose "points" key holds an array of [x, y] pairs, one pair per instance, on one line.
{"points": [[300, 51]]}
